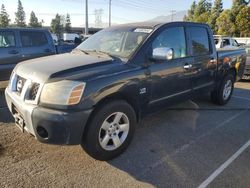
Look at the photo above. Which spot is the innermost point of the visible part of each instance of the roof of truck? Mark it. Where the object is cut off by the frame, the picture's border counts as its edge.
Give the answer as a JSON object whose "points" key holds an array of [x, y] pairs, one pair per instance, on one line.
{"points": [[23, 29], [152, 25]]}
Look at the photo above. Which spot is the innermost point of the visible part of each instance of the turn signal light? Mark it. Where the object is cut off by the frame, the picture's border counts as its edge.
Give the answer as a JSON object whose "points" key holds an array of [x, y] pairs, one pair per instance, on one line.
{"points": [[76, 95]]}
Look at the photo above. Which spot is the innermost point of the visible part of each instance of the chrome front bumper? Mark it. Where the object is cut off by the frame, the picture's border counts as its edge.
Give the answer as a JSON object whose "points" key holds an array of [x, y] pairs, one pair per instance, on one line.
{"points": [[26, 110]]}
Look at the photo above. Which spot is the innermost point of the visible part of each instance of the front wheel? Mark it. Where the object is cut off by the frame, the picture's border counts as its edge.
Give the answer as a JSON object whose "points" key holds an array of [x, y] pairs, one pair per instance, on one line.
{"points": [[223, 93], [110, 130]]}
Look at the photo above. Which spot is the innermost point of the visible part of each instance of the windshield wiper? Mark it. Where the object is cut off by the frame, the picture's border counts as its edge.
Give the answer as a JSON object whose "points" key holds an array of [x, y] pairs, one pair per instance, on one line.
{"points": [[80, 50], [105, 53]]}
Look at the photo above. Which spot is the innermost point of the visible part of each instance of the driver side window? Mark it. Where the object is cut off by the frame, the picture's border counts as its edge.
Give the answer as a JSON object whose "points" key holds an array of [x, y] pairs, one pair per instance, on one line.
{"points": [[173, 38]]}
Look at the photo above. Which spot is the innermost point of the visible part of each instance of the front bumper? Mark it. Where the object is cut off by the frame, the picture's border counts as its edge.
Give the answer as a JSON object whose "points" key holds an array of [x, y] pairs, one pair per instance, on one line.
{"points": [[49, 125]]}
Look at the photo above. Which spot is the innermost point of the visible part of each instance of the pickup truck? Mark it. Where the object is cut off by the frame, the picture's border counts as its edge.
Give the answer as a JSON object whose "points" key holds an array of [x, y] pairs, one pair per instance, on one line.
{"points": [[17, 45], [246, 74], [225, 42], [97, 94]]}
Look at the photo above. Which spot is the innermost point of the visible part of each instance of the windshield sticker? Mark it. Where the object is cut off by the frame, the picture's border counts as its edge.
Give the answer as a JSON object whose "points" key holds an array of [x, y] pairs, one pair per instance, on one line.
{"points": [[143, 30]]}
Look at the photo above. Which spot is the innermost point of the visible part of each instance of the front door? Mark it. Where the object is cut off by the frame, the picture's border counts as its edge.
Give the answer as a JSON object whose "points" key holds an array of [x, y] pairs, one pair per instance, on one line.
{"points": [[170, 79], [9, 54]]}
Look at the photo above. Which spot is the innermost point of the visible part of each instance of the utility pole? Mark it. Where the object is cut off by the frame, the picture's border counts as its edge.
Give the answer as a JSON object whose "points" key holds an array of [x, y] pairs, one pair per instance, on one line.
{"points": [[109, 13], [86, 18], [172, 15], [98, 17]]}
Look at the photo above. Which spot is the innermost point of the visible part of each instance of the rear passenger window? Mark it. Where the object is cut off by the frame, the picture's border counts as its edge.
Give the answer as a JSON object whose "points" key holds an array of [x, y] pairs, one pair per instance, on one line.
{"points": [[7, 39], [32, 39], [200, 43], [172, 38]]}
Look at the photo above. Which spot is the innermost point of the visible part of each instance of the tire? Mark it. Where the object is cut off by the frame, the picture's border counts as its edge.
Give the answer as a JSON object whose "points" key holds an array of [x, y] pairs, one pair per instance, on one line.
{"points": [[222, 94], [110, 130]]}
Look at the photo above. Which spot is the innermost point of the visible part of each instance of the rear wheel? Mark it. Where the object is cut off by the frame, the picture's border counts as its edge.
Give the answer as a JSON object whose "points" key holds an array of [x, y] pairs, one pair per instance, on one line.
{"points": [[110, 131], [222, 94]]}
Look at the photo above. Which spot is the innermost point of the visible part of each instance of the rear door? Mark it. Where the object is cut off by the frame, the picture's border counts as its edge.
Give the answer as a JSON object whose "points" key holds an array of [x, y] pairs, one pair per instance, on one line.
{"points": [[35, 44], [9, 53], [204, 66]]}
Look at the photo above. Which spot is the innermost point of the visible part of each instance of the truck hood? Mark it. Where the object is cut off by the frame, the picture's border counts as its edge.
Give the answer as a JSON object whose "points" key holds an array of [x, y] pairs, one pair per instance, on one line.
{"points": [[41, 69]]}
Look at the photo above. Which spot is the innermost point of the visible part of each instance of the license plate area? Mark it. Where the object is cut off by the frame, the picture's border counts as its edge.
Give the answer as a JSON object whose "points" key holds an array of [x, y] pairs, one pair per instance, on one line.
{"points": [[19, 120]]}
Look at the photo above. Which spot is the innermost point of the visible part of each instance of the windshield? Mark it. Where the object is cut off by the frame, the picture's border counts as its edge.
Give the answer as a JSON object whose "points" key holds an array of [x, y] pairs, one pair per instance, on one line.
{"points": [[118, 42]]}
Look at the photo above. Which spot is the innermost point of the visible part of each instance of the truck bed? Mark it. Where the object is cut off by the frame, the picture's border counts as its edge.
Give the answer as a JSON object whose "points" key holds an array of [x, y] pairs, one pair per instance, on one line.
{"points": [[237, 59]]}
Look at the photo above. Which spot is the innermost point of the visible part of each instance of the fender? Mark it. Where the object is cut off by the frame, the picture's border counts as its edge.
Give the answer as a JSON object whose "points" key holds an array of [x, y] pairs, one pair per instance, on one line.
{"points": [[131, 86]]}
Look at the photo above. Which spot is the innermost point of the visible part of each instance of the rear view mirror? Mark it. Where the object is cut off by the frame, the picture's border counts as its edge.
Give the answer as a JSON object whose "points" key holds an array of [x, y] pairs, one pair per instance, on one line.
{"points": [[163, 53]]}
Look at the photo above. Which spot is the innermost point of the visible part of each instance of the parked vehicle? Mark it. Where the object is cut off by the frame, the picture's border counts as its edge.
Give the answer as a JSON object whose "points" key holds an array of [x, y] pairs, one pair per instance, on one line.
{"points": [[247, 67], [243, 40], [97, 94], [225, 42], [70, 37], [55, 38], [22, 44]]}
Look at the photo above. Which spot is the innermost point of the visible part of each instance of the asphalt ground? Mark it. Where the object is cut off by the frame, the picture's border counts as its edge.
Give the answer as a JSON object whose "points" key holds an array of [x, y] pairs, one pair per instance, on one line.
{"points": [[192, 144]]}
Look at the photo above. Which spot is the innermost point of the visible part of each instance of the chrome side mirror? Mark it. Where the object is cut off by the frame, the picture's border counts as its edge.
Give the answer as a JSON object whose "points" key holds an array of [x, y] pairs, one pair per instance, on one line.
{"points": [[163, 53]]}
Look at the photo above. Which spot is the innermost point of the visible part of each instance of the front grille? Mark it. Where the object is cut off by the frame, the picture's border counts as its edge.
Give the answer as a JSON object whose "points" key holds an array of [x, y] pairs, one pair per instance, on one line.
{"points": [[19, 84], [33, 91]]}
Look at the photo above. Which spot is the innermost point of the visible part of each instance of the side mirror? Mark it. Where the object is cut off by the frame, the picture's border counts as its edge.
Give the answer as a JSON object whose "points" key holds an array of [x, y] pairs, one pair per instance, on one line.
{"points": [[163, 53]]}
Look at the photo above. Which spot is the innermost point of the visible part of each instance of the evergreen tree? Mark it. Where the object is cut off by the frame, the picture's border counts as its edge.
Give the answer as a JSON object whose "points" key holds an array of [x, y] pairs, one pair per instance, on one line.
{"points": [[4, 17], [215, 13], [243, 21], [190, 15], [236, 7], [34, 20], [67, 24], [200, 8], [208, 5], [224, 23], [20, 15], [57, 25], [199, 12], [202, 11]]}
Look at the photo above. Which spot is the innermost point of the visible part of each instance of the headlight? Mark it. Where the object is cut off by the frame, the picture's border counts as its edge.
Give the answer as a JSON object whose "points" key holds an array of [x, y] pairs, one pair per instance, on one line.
{"points": [[64, 92]]}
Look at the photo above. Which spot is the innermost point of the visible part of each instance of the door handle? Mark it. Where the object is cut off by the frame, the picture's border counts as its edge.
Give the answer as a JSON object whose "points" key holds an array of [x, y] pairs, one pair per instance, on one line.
{"points": [[187, 66], [13, 52], [213, 60]]}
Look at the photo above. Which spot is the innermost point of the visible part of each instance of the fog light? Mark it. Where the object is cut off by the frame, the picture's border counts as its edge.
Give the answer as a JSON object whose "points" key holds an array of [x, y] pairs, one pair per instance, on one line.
{"points": [[42, 132]]}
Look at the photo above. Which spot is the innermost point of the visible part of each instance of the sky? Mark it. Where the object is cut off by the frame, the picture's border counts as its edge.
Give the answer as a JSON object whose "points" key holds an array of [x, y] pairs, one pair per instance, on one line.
{"points": [[123, 11]]}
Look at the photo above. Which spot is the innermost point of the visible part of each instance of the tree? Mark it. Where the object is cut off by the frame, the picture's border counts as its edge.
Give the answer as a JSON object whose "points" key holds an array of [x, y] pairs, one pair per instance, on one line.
{"points": [[215, 13], [57, 25], [190, 15], [199, 12], [224, 24], [236, 7], [202, 7], [20, 15], [4, 17], [67, 24], [203, 18], [34, 20], [242, 21]]}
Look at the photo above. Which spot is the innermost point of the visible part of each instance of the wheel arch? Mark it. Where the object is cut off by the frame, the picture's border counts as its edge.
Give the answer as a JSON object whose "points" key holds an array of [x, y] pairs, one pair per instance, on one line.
{"points": [[113, 97]]}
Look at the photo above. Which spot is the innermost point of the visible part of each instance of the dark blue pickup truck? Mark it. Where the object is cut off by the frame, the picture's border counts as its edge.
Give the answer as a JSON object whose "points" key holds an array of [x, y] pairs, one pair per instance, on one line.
{"points": [[17, 45], [95, 95]]}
